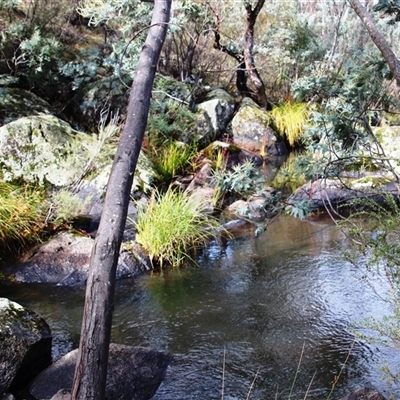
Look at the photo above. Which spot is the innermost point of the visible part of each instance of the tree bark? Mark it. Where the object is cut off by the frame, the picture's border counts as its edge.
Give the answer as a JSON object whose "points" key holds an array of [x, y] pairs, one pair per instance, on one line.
{"points": [[378, 39], [245, 58], [91, 368], [259, 88]]}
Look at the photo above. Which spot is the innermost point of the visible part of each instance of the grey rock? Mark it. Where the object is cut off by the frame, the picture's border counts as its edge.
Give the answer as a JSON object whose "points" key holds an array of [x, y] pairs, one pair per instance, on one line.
{"points": [[62, 394], [25, 345], [322, 193], [255, 208], [65, 259], [17, 103], [220, 106], [250, 128], [202, 178], [364, 394], [42, 149], [133, 373]]}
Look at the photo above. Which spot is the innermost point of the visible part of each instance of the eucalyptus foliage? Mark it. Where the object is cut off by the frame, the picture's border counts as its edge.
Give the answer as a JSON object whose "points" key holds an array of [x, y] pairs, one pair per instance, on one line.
{"points": [[240, 180]]}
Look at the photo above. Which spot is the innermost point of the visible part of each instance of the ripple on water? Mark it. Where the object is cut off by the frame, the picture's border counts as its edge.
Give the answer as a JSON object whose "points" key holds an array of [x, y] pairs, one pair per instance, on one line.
{"points": [[258, 299]]}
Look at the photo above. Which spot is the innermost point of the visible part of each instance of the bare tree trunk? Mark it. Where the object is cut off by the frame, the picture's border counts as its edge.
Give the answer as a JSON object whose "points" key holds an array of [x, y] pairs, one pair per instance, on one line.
{"points": [[259, 88], [245, 58], [378, 39], [91, 368]]}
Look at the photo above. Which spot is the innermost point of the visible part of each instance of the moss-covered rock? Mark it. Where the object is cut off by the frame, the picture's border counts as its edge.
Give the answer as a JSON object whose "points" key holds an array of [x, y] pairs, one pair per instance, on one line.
{"points": [[16, 103], [25, 346], [220, 106], [92, 189], [43, 148], [250, 128], [166, 88]]}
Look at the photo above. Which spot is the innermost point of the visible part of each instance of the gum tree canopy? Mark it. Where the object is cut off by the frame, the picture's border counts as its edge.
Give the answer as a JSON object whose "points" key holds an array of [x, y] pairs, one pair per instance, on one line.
{"points": [[91, 368]]}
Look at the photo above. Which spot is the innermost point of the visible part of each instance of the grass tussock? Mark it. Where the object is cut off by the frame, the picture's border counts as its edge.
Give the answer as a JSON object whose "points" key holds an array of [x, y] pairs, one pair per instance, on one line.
{"points": [[21, 216], [289, 119], [170, 159], [172, 224]]}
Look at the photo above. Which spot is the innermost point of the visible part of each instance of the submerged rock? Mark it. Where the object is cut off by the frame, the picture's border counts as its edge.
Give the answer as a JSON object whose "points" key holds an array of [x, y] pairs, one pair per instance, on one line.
{"points": [[133, 373], [25, 345]]}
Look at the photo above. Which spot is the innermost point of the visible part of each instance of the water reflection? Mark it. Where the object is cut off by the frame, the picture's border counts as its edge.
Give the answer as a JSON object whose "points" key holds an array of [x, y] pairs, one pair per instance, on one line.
{"points": [[261, 299]]}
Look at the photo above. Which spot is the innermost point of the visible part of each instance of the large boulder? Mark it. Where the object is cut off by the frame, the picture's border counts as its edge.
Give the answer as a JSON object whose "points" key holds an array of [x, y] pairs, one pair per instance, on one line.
{"points": [[17, 103], [133, 373], [46, 149], [65, 259], [91, 189], [250, 129], [219, 106], [43, 149], [197, 128], [25, 346]]}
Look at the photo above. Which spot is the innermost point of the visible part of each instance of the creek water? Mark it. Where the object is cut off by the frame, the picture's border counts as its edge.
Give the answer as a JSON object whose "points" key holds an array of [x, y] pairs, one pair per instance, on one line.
{"points": [[244, 317]]}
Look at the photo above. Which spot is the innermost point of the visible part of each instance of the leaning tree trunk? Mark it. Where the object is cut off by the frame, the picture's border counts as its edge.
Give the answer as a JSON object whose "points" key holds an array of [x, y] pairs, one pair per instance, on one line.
{"points": [[377, 38], [91, 368]]}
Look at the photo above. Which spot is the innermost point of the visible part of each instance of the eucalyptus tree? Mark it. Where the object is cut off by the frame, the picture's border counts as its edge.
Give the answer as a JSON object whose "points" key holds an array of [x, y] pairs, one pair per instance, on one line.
{"points": [[91, 368], [378, 38], [244, 56]]}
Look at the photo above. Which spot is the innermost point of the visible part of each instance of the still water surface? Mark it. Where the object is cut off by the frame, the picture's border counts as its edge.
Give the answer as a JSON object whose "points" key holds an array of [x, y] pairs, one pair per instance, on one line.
{"points": [[255, 302]]}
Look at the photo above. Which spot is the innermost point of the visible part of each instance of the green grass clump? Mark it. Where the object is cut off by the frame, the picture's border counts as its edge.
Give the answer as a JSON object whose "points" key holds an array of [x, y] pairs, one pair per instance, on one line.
{"points": [[172, 224], [170, 159], [21, 216], [289, 119]]}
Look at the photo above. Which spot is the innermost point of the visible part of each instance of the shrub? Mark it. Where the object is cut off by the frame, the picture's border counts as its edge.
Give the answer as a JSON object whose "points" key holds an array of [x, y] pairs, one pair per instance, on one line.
{"points": [[172, 224], [290, 176], [241, 180], [170, 120], [21, 214]]}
